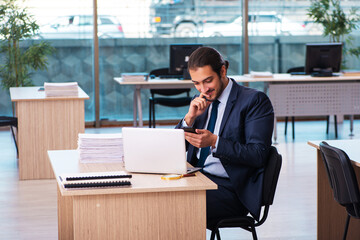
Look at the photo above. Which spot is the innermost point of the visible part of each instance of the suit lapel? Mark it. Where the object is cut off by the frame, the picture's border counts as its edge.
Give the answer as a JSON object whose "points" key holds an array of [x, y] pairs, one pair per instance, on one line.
{"points": [[229, 105]]}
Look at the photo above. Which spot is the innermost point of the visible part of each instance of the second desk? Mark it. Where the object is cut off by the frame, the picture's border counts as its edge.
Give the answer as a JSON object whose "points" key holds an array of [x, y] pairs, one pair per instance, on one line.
{"points": [[45, 123], [151, 84]]}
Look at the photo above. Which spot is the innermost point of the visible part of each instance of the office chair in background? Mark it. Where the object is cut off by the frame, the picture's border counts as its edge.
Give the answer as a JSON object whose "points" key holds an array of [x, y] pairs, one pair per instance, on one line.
{"points": [[342, 180], [301, 70], [271, 175], [166, 100], [12, 122]]}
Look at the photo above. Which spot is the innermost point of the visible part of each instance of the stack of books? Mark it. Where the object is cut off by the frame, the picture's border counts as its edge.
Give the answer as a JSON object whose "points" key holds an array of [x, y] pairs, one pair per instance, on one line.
{"points": [[61, 89], [351, 72], [96, 148], [135, 77]]}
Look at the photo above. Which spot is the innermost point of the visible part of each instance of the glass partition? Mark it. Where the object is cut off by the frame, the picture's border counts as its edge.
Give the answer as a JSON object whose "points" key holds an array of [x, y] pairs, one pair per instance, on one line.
{"points": [[67, 25], [135, 35], [150, 27]]}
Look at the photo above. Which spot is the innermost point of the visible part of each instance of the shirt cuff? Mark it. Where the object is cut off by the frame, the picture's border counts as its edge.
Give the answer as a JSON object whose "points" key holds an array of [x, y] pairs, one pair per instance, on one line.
{"points": [[183, 124], [213, 149]]}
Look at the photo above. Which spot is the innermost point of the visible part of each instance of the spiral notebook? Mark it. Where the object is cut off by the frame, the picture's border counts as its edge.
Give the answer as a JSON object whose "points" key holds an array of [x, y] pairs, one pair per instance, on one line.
{"points": [[95, 179]]}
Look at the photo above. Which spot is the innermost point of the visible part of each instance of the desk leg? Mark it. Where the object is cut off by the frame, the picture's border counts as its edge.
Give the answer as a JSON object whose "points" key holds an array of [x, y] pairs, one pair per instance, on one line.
{"points": [[134, 107], [351, 125], [275, 130], [139, 107]]}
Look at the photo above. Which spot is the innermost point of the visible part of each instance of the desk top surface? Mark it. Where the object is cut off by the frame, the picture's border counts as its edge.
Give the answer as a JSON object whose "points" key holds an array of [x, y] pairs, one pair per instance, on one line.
{"points": [[276, 78], [66, 162], [351, 147], [33, 93], [154, 81]]}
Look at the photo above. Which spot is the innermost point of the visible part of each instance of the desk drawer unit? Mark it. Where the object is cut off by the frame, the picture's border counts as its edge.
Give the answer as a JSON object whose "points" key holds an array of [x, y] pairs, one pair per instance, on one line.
{"points": [[315, 99]]}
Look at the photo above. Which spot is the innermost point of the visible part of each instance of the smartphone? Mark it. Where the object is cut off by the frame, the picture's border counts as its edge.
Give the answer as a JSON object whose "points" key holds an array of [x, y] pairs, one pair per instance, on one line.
{"points": [[189, 129]]}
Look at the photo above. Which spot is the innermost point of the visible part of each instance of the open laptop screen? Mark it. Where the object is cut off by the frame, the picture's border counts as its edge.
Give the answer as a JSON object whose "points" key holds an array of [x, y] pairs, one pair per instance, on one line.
{"points": [[154, 150]]}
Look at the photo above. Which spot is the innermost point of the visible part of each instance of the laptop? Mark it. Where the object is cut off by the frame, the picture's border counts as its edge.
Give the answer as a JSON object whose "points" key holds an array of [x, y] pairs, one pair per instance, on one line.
{"points": [[155, 150]]}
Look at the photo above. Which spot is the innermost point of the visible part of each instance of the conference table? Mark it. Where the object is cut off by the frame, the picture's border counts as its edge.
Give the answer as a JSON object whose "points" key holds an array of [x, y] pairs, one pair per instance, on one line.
{"points": [[45, 123], [151, 208], [291, 95], [330, 215]]}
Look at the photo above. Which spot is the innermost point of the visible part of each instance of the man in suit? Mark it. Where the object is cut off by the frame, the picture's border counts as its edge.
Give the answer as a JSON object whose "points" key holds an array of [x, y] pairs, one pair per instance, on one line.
{"points": [[233, 148]]}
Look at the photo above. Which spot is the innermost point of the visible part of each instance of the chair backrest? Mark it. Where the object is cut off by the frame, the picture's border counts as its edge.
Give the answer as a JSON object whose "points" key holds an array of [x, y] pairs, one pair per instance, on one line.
{"points": [[166, 92], [342, 178], [159, 72], [8, 121], [296, 69], [271, 176]]}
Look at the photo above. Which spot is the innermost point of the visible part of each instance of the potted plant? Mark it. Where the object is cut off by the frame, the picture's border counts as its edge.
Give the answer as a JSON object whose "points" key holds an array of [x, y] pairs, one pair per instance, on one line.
{"points": [[17, 57], [337, 25]]}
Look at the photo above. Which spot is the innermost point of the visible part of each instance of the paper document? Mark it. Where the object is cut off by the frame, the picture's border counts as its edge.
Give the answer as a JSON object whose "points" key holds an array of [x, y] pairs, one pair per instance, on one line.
{"points": [[260, 74], [94, 148], [61, 89]]}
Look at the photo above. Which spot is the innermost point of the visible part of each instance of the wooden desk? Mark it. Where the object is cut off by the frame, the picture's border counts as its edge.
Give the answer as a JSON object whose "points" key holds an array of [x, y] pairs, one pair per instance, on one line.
{"points": [[290, 95], [150, 209], [330, 215], [45, 123], [151, 84]]}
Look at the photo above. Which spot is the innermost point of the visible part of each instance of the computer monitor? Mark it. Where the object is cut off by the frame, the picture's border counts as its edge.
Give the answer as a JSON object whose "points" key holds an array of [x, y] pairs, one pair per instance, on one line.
{"points": [[322, 59], [179, 56]]}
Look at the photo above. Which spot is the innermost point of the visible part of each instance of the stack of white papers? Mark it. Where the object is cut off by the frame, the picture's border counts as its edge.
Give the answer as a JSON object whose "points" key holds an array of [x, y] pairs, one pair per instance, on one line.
{"points": [[261, 74], [134, 77], [61, 89], [95, 148]]}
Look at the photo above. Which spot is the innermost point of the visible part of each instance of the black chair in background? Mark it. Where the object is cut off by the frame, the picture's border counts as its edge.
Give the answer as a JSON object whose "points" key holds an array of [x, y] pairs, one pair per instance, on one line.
{"points": [[271, 175], [12, 122], [166, 98], [301, 70], [342, 180]]}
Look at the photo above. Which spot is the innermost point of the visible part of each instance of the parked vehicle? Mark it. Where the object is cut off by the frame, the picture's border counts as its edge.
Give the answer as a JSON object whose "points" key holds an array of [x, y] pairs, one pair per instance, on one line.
{"points": [[185, 18], [259, 24], [81, 27]]}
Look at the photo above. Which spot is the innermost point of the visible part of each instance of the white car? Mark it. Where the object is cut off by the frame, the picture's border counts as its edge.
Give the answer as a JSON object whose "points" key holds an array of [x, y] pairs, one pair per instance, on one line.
{"points": [[262, 24], [81, 27]]}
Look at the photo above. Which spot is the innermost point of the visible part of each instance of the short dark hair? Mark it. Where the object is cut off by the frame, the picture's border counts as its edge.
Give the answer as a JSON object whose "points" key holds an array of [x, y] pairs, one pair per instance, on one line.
{"points": [[205, 56]]}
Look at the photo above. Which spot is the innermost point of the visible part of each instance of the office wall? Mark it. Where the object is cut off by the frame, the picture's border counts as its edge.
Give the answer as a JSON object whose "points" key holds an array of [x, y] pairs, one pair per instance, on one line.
{"points": [[73, 62]]}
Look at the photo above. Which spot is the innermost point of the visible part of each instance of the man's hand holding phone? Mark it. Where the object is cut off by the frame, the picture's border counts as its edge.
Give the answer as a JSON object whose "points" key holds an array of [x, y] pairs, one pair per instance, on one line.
{"points": [[189, 129], [201, 138]]}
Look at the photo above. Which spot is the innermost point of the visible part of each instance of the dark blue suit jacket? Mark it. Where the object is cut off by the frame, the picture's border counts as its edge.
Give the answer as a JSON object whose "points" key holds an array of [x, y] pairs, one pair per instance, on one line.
{"points": [[244, 142]]}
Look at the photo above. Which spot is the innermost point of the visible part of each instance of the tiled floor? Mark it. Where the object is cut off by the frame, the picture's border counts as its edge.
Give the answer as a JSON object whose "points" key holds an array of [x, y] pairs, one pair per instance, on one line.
{"points": [[28, 208]]}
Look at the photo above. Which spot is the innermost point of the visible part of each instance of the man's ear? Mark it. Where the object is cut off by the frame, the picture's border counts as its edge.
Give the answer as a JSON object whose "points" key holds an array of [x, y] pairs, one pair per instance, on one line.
{"points": [[223, 71]]}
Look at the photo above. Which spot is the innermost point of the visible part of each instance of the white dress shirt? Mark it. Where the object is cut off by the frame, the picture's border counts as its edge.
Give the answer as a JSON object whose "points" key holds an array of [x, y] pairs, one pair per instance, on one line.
{"points": [[212, 164]]}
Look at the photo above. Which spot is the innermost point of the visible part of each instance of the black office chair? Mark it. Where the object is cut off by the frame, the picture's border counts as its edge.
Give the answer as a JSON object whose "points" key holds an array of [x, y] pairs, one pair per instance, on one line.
{"points": [[12, 122], [342, 180], [271, 175], [302, 70], [166, 101]]}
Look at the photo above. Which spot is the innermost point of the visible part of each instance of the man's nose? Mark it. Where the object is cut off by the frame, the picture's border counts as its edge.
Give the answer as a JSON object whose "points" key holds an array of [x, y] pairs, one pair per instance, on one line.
{"points": [[203, 88]]}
